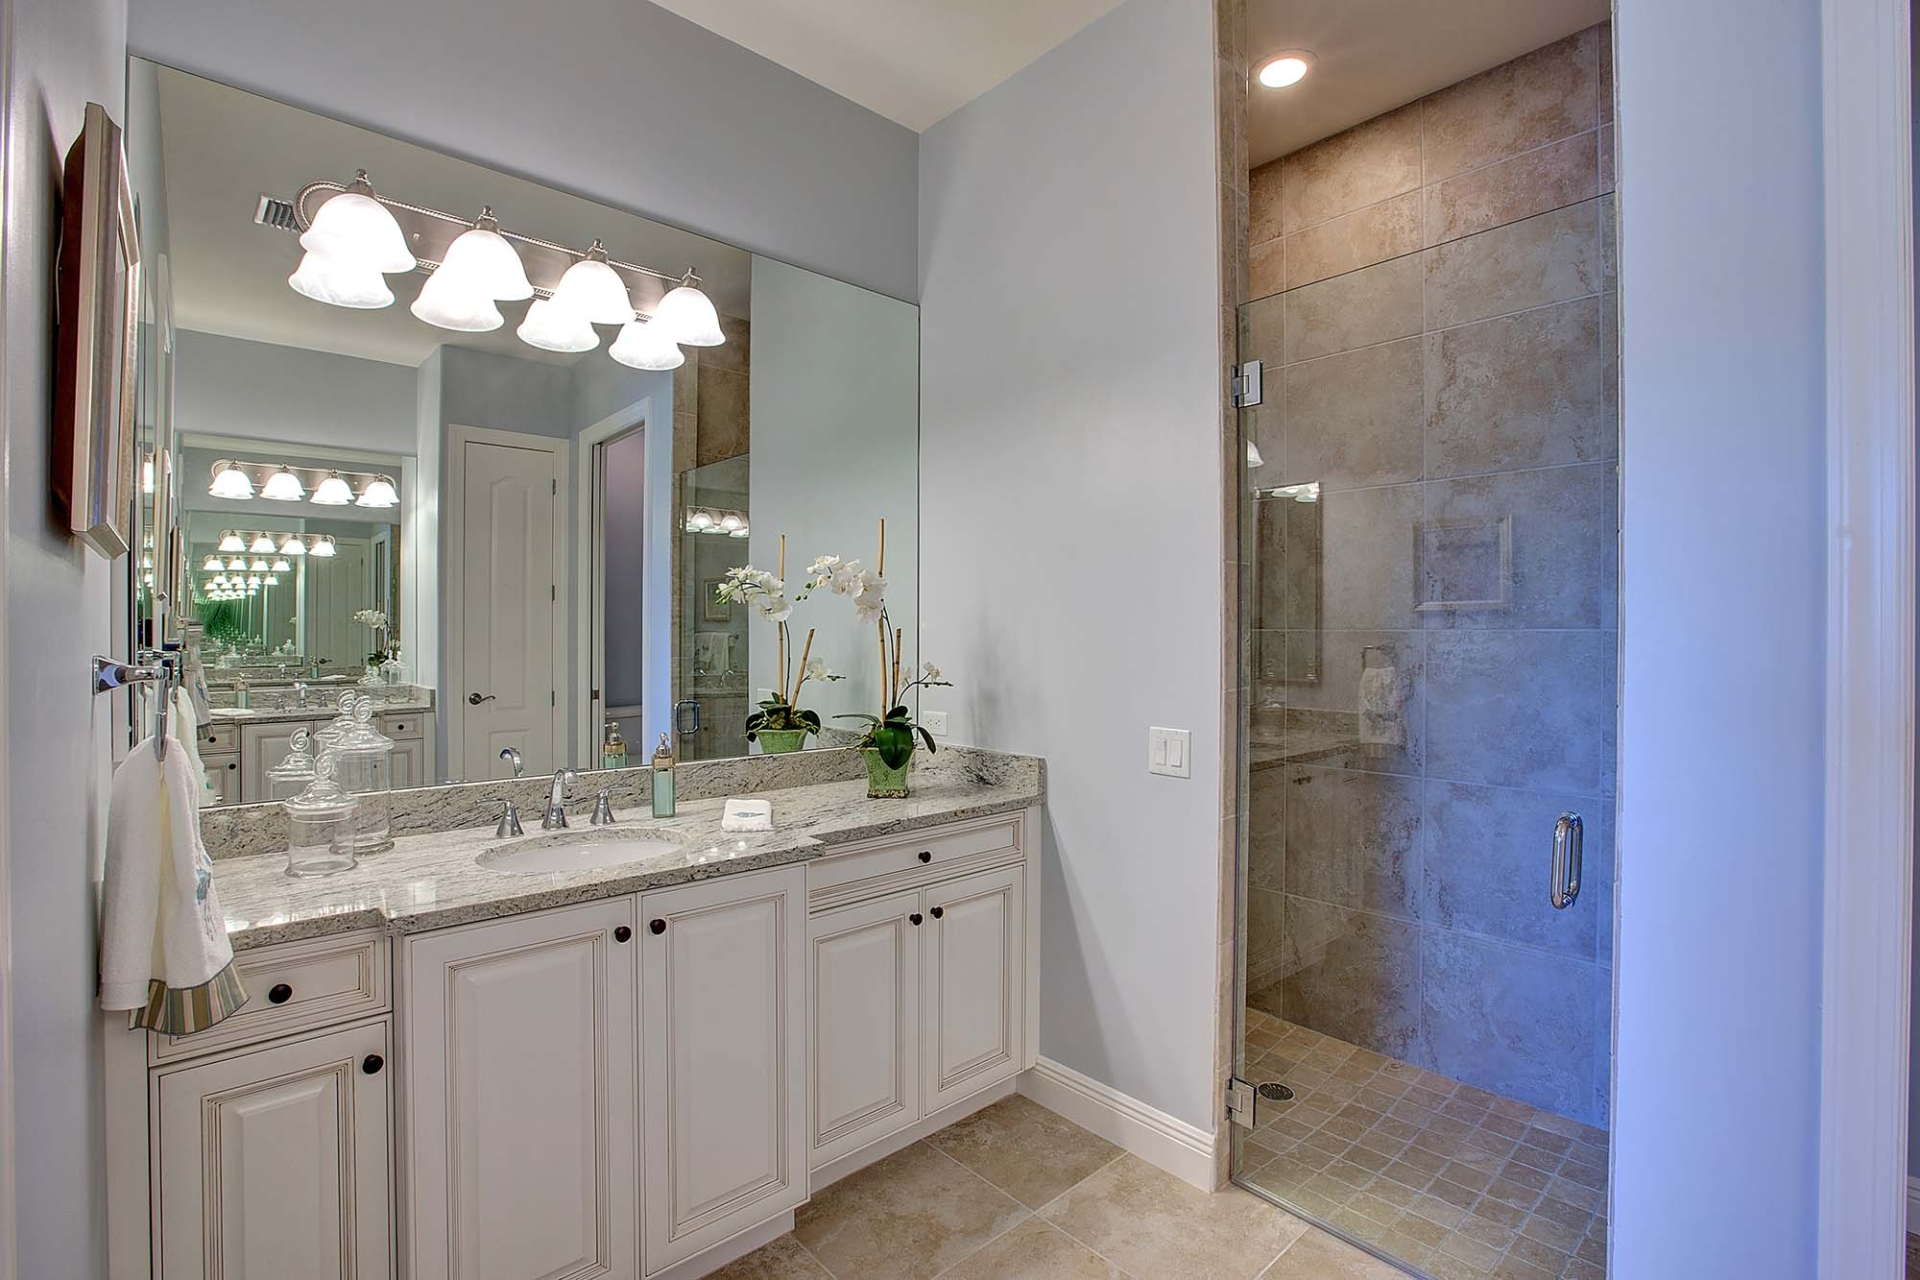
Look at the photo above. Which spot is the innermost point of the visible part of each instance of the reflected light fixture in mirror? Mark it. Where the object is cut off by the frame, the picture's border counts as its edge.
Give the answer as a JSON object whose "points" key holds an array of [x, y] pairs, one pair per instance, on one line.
{"points": [[338, 285], [594, 291], [553, 329], [229, 481], [292, 546], [323, 547], [481, 263], [448, 302], [687, 316], [378, 492], [211, 564], [262, 545], [643, 345], [333, 492], [231, 542], [283, 486]]}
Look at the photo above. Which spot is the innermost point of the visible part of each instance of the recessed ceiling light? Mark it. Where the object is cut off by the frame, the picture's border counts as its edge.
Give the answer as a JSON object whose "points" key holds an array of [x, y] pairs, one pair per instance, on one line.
{"points": [[1286, 68]]}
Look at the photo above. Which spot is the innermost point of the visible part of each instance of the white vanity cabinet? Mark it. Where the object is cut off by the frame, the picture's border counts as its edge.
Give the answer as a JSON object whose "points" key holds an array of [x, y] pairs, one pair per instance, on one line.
{"points": [[275, 1162], [722, 1038], [521, 1096], [922, 967], [263, 747]]}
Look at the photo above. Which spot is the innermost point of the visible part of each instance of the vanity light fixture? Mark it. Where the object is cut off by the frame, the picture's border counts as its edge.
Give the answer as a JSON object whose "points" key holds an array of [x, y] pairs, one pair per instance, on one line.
{"points": [[731, 521], [283, 486], [212, 564], [449, 301], [237, 565], [292, 546], [594, 291], [271, 580], [323, 547], [231, 542], [482, 263], [332, 492], [281, 566], [258, 566], [687, 316], [644, 345], [378, 492], [262, 544], [698, 521], [741, 532], [229, 481], [355, 231], [1286, 68], [339, 285]]}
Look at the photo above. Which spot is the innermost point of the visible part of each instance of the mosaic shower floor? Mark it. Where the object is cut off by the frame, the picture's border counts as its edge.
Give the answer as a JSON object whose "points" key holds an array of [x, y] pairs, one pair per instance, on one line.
{"points": [[1461, 1183]]}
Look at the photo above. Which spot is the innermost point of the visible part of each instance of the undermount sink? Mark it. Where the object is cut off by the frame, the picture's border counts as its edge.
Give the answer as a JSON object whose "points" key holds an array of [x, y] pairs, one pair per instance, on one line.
{"points": [[559, 856]]}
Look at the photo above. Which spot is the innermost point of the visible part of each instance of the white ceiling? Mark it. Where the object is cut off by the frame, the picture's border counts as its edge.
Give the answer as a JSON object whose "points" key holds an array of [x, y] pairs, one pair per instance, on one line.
{"points": [[223, 148], [1375, 55], [912, 61]]}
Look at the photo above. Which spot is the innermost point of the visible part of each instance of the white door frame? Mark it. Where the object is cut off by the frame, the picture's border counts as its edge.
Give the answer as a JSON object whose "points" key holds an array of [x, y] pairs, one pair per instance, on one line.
{"points": [[1870, 638], [8, 1235], [454, 500], [588, 645]]}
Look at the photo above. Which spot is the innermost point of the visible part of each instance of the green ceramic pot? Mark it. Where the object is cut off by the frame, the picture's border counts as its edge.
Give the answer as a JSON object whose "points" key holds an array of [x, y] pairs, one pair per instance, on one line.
{"points": [[883, 781], [778, 742]]}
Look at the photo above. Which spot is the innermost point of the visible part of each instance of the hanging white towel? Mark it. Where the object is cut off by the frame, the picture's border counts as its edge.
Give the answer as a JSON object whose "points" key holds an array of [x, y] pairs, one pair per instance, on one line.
{"points": [[163, 942], [183, 731], [1380, 722]]}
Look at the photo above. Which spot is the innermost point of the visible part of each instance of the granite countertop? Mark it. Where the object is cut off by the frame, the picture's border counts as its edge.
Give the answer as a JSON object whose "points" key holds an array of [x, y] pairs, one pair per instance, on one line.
{"points": [[317, 711], [431, 881]]}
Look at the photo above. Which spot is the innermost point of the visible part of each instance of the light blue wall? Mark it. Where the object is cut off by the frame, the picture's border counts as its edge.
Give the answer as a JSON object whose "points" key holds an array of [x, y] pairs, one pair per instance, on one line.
{"points": [[57, 610], [263, 391], [1723, 607], [617, 100]]}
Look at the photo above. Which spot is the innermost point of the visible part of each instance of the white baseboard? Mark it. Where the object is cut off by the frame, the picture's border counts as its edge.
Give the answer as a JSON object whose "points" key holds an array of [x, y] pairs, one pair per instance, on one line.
{"points": [[1913, 1206], [1161, 1140]]}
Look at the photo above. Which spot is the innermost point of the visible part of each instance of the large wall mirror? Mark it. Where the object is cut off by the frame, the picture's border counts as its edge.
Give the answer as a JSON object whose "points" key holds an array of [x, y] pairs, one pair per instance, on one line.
{"points": [[506, 540]]}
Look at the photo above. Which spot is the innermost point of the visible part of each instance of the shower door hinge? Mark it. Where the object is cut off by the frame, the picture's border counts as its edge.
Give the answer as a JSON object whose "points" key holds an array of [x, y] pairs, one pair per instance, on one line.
{"points": [[1241, 1101], [1246, 385]]}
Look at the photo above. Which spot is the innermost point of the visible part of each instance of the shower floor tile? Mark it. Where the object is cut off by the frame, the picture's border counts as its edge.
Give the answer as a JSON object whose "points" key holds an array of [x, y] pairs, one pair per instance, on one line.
{"points": [[1461, 1183]]}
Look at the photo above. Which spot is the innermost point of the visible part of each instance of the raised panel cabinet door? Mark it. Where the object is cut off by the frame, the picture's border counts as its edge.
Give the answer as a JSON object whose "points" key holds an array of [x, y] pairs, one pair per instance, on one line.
{"points": [[274, 1162], [865, 1024], [723, 1039], [973, 980], [521, 1098], [262, 747], [410, 763]]}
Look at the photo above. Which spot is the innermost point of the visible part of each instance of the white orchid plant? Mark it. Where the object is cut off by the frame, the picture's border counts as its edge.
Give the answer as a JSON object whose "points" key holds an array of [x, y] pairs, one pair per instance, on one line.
{"points": [[765, 594], [892, 732], [375, 620]]}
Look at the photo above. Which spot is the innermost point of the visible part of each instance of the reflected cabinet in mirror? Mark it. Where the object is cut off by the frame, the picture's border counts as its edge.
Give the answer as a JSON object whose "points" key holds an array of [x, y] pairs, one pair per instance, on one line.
{"points": [[485, 452]]}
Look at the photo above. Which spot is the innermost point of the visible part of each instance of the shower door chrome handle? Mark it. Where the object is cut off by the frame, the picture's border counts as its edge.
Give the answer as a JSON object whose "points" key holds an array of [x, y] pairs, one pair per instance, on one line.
{"points": [[1563, 875]]}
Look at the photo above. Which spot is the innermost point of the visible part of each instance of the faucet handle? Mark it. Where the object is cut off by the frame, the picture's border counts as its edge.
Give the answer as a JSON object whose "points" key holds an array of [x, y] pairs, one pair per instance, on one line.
{"points": [[509, 819], [603, 808]]}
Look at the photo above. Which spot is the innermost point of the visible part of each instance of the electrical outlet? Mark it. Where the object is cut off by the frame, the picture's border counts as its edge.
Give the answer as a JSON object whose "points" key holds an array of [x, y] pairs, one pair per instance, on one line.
{"points": [[1170, 752], [934, 722]]}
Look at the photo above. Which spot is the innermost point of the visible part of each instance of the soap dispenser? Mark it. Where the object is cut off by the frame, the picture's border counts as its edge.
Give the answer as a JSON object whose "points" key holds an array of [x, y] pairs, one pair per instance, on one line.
{"points": [[613, 752], [663, 780]]}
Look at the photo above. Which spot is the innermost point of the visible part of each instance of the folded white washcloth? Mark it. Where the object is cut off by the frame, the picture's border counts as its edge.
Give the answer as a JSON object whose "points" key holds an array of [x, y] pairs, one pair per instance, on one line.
{"points": [[163, 941], [747, 815]]}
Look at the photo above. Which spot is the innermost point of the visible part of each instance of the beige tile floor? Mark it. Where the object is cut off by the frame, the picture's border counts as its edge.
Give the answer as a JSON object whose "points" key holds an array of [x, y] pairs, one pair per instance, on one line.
{"points": [[1913, 1257], [1014, 1192], [1462, 1183]]}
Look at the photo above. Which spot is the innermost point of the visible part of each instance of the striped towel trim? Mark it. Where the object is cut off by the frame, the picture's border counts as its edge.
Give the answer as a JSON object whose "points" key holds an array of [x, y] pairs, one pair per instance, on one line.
{"points": [[181, 1011]]}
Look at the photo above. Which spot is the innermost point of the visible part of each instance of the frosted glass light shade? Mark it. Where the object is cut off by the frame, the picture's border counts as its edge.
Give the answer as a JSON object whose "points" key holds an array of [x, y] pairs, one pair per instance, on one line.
{"points": [[230, 481], [281, 566], [292, 546], [485, 262], [339, 285], [211, 565], [237, 565], [595, 292], [332, 492], [687, 316], [231, 542], [641, 346], [323, 547], [358, 233], [378, 492], [551, 328], [259, 565], [453, 302], [283, 486], [262, 545]]}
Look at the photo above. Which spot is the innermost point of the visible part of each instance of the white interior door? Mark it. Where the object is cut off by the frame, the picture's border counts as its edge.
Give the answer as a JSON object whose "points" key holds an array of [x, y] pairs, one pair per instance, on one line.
{"points": [[503, 628], [337, 587]]}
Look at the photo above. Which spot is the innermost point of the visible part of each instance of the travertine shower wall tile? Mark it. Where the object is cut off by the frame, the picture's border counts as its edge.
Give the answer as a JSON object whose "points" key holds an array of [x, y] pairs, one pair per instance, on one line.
{"points": [[1352, 240], [1539, 97], [1547, 178], [1366, 164]]}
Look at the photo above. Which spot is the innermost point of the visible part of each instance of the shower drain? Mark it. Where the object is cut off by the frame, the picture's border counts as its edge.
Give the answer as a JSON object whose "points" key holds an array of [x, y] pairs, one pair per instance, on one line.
{"points": [[1274, 1091]]}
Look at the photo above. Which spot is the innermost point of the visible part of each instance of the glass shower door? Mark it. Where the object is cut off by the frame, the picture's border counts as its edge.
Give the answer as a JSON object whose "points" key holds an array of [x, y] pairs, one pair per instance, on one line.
{"points": [[1428, 607], [710, 637]]}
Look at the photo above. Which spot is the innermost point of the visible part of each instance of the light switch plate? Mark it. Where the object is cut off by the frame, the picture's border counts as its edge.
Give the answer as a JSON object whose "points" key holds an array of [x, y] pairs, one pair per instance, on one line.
{"points": [[1170, 752], [934, 722]]}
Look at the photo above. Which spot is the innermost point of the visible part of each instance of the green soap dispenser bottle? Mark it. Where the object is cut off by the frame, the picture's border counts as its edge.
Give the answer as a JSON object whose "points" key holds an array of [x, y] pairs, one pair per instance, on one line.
{"points": [[663, 780], [613, 752]]}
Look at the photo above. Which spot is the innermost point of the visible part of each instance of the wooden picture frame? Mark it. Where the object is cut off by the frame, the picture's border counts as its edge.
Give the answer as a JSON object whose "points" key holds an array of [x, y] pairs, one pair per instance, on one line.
{"points": [[712, 607], [99, 312]]}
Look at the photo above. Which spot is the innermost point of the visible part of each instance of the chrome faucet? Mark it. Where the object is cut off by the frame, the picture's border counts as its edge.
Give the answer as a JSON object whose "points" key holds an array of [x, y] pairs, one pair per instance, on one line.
{"points": [[509, 820], [556, 818], [299, 691], [512, 756], [603, 808]]}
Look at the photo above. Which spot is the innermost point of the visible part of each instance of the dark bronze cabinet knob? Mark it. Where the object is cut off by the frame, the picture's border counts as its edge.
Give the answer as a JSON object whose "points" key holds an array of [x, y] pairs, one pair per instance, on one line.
{"points": [[656, 926], [622, 933], [279, 993], [914, 919], [937, 912], [372, 1063], [926, 855]]}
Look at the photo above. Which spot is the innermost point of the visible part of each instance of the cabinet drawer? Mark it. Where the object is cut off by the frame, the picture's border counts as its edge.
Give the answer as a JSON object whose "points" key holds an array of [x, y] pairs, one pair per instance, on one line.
{"points": [[217, 737], [322, 981], [404, 724], [886, 866]]}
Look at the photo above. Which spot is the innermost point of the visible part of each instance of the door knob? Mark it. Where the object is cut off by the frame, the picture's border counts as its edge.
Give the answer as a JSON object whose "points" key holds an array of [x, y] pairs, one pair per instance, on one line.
{"points": [[474, 699]]}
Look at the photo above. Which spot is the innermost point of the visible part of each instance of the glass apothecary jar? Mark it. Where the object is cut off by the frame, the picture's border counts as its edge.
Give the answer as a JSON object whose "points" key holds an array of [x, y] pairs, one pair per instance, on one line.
{"points": [[327, 737], [320, 823], [294, 774], [365, 758]]}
